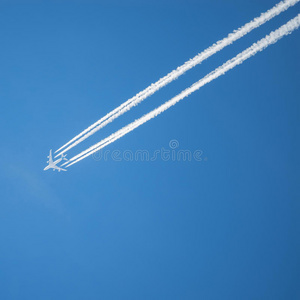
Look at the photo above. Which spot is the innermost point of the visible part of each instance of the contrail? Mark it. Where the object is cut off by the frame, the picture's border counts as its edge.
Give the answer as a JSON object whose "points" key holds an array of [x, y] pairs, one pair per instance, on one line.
{"points": [[272, 38], [150, 90]]}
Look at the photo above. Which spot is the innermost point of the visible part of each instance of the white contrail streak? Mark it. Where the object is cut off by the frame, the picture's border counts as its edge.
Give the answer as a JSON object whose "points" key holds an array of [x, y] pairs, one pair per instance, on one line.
{"points": [[237, 34], [272, 38]]}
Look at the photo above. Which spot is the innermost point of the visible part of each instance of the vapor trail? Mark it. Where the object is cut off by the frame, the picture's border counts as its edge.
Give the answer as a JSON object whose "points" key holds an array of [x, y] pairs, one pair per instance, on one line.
{"points": [[272, 38], [150, 90]]}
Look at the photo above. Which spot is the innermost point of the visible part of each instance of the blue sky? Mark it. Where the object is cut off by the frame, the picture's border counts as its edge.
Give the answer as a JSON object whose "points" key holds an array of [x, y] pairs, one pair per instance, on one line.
{"points": [[225, 227]]}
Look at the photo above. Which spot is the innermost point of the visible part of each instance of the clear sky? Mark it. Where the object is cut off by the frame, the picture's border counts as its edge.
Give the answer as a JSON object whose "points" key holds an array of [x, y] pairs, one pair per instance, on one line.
{"points": [[225, 226]]}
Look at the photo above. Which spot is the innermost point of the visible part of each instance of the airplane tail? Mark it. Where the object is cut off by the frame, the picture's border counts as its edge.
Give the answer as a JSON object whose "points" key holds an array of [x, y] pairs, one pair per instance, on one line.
{"points": [[63, 157]]}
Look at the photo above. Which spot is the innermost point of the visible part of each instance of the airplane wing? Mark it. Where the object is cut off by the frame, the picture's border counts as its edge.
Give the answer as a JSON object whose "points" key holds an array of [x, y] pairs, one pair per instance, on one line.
{"points": [[58, 168]]}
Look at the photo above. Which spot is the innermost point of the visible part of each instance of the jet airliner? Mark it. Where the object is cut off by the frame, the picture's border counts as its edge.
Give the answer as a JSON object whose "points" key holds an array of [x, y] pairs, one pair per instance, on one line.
{"points": [[53, 164]]}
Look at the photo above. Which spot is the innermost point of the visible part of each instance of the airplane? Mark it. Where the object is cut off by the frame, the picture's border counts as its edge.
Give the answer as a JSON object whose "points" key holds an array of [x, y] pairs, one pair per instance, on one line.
{"points": [[53, 164]]}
